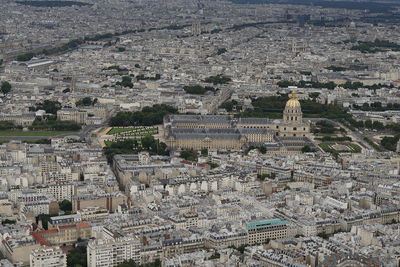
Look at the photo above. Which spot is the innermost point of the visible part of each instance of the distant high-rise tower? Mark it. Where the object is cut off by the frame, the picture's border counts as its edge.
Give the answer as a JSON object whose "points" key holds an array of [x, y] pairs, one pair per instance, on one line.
{"points": [[287, 16], [196, 28], [3, 33], [352, 31], [303, 19]]}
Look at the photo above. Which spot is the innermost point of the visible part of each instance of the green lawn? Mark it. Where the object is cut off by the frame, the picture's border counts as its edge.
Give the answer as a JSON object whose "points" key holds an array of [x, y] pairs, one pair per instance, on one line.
{"points": [[33, 133], [356, 148], [119, 130], [351, 147], [108, 143], [137, 131]]}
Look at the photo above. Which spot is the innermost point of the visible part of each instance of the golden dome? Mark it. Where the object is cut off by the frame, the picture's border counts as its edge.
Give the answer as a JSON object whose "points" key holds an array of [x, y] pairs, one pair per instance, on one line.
{"points": [[293, 102]]}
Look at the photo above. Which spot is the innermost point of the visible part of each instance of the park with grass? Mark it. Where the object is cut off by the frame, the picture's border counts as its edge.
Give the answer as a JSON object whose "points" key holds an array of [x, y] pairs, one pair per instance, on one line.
{"points": [[138, 131], [333, 139], [340, 147]]}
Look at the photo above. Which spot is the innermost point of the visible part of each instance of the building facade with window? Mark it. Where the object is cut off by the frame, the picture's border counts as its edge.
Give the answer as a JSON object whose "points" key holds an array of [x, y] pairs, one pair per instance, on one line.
{"points": [[229, 133]]}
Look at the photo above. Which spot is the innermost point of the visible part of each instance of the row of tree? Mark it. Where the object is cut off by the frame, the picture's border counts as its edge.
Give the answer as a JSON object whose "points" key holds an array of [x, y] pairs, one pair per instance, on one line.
{"points": [[8, 125], [134, 146], [147, 117], [329, 85], [48, 105], [390, 142], [231, 105], [377, 106], [218, 79], [54, 125], [86, 101], [273, 106], [198, 89], [5, 87], [376, 46]]}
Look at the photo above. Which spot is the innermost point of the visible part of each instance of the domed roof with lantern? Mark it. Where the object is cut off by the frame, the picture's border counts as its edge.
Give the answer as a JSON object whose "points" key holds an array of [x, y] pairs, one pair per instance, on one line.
{"points": [[293, 102]]}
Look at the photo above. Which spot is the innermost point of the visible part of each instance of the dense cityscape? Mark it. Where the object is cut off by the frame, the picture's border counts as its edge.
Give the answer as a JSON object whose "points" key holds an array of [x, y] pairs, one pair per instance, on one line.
{"points": [[199, 133]]}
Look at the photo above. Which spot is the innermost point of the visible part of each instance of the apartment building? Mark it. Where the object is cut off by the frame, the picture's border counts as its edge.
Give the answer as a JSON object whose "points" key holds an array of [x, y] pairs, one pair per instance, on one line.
{"points": [[111, 252], [72, 115], [264, 230], [48, 257], [60, 191]]}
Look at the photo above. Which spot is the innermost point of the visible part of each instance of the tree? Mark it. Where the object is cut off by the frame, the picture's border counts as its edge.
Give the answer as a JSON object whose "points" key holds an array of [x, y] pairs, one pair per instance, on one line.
{"points": [[65, 205], [190, 155], [132, 146], [262, 149], [49, 106], [222, 50], [198, 89], [204, 152], [25, 57], [86, 101], [218, 79], [241, 248], [378, 125], [7, 221], [314, 95], [368, 124], [229, 105], [390, 143], [323, 235], [306, 149], [336, 68], [45, 220], [77, 257], [126, 82], [54, 125], [214, 256], [5, 87], [212, 165], [128, 263], [7, 125], [148, 141], [147, 117]]}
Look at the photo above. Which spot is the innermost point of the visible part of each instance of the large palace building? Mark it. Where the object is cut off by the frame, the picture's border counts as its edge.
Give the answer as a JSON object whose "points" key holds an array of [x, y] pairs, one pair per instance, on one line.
{"points": [[220, 132]]}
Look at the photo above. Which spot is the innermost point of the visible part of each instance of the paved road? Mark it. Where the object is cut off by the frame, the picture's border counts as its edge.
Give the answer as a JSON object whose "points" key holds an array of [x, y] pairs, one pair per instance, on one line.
{"points": [[85, 132]]}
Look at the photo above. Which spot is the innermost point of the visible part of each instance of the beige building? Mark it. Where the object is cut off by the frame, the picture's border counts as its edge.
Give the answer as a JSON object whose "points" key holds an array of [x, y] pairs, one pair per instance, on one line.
{"points": [[111, 252], [109, 202], [262, 231], [221, 241], [48, 257], [66, 234], [23, 120], [222, 132], [60, 191], [175, 247], [292, 124], [72, 114], [18, 251]]}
